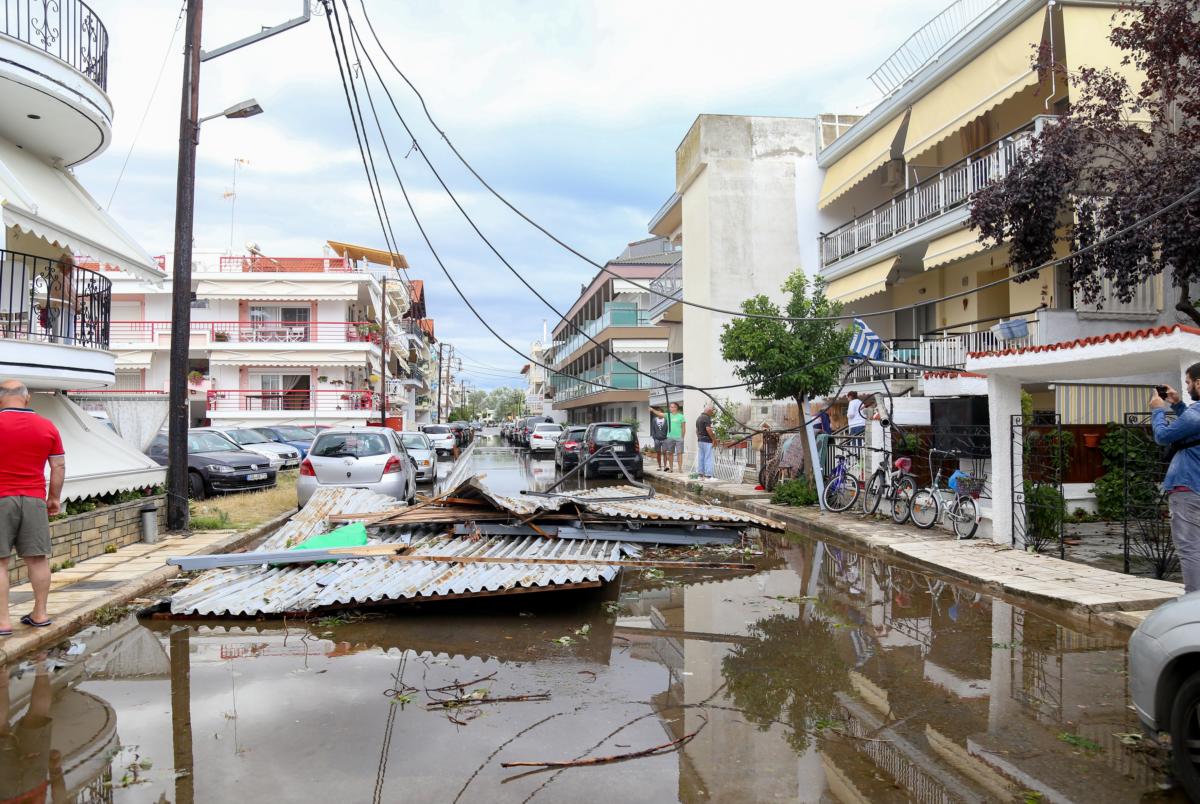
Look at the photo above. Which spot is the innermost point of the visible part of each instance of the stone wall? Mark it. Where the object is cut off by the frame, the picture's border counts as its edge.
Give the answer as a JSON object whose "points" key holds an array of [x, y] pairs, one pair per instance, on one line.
{"points": [[85, 536]]}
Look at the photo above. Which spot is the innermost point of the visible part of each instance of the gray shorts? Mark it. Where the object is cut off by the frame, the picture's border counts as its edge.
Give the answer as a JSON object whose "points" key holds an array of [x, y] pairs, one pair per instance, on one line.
{"points": [[673, 446], [25, 526]]}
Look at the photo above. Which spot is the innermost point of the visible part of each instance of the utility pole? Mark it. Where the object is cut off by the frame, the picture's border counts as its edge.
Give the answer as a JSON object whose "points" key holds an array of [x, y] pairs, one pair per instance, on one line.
{"points": [[179, 417], [383, 347], [441, 368]]}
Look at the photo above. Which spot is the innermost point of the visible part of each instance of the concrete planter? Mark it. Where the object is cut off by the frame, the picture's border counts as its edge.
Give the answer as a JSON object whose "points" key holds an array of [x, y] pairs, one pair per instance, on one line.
{"points": [[83, 536]]}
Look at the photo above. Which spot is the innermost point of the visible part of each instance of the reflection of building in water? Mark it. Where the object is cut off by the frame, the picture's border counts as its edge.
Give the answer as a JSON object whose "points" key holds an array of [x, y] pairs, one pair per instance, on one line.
{"points": [[60, 738]]}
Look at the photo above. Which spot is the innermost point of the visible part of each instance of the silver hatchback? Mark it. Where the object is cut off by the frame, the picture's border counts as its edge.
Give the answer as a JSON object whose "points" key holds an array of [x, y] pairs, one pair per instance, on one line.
{"points": [[422, 451], [371, 458]]}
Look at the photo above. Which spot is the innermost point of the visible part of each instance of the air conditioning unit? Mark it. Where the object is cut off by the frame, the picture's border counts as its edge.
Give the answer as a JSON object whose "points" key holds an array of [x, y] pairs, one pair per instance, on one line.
{"points": [[893, 175]]}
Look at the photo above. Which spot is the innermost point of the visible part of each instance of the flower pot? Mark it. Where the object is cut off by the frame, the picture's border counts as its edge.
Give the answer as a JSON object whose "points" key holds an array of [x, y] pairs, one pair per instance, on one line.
{"points": [[1091, 440]]}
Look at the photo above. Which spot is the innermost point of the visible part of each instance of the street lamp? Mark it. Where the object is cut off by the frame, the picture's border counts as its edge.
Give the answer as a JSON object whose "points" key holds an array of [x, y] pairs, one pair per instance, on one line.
{"points": [[247, 108]]}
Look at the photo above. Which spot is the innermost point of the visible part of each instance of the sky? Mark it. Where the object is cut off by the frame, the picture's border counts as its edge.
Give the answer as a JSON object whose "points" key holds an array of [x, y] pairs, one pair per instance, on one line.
{"points": [[570, 108]]}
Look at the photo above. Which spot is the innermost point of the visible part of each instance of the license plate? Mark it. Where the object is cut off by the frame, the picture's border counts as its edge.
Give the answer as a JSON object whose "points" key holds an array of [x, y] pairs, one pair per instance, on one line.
{"points": [[257, 476]]}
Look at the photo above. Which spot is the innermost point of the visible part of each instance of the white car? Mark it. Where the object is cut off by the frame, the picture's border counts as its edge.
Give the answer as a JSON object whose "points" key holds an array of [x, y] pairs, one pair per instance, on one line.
{"points": [[421, 450], [442, 438], [281, 456], [543, 437], [371, 458]]}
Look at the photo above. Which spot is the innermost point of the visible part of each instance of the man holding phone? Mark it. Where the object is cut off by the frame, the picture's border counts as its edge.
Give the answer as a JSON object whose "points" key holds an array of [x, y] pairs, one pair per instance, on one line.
{"points": [[1182, 483]]}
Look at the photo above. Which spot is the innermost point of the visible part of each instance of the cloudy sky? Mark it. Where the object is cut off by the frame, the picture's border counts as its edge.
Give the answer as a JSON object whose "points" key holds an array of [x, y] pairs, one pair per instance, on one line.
{"points": [[573, 109]]}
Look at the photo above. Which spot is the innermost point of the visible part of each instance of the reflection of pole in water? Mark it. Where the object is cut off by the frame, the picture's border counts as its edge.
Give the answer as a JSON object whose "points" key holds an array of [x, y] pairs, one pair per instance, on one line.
{"points": [[181, 714]]}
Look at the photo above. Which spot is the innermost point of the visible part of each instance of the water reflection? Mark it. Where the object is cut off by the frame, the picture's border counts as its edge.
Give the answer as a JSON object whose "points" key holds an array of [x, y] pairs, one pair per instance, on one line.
{"points": [[827, 675]]}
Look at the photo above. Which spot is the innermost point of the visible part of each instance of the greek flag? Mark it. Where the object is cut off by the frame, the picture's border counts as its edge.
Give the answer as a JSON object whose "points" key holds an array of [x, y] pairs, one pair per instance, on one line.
{"points": [[865, 342]]}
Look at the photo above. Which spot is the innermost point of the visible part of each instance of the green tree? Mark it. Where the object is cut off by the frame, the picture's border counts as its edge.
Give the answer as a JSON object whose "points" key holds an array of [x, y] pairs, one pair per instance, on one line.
{"points": [[789, 359], [505, 401]]}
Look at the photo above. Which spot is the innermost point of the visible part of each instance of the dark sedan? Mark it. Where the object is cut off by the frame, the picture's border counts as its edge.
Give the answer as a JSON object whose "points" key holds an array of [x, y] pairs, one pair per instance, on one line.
{"points": [[624, 451], [566, 451], [216, 464]]}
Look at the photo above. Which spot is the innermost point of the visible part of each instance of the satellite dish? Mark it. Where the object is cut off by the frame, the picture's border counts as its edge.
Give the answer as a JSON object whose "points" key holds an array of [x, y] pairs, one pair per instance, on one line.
{"points": [[253, 247]]}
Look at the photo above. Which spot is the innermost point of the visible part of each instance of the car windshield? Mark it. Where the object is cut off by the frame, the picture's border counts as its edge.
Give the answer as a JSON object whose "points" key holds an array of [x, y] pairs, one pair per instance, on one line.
{"points": [[346, 445], [437, 430], [415, 441], [248, 437], [615, 433], [548, 428], [576, 432], [209, 442], [294, 433]]}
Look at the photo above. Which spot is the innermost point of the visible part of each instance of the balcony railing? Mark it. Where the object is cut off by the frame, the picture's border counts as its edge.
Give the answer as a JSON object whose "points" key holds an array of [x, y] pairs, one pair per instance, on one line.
{"points": [[670, 284], [276, 265], [252, 331], [936, 195], [253, 400], [941, 350], [53, 301], [930, 40], [669, 374], [596, 381], [68, 30], [611, 318]]}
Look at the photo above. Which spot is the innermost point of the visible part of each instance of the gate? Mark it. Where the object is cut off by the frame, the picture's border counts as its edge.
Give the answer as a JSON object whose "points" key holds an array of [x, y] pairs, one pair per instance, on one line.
{"points": [[1146, 522], [1041, 452]]}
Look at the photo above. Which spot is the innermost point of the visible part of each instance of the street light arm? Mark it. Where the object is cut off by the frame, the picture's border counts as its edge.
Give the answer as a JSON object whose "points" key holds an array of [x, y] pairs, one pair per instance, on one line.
{"points": [[305, 16]]}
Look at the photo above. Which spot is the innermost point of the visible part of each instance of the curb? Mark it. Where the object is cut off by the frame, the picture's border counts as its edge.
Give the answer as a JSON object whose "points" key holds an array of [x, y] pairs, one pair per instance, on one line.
{"points": [[16, 646]]}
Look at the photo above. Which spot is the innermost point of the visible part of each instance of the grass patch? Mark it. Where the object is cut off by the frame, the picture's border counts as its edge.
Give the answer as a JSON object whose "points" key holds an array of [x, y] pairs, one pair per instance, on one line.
{"points": [[245, 510]]}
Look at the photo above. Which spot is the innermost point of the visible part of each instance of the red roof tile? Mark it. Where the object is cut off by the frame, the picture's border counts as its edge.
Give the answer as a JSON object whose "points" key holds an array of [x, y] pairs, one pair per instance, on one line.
{"points": [[1114, 337], [953, 375]]}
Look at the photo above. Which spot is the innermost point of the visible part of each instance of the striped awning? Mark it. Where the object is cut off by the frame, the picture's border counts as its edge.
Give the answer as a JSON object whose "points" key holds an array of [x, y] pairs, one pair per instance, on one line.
{"points": [[952, 247], [862, 283]]}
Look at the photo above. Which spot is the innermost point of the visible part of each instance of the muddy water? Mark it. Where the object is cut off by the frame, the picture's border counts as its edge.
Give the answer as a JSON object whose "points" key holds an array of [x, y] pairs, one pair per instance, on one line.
{"points": [[825, 676]]}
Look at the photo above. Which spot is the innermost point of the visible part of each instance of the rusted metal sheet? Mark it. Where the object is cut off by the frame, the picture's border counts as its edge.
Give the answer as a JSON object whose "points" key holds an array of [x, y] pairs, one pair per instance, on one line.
{"points": [[248, 591]]}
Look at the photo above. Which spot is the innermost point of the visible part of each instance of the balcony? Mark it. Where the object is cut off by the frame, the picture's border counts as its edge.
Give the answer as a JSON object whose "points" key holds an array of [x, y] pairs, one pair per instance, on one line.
{"points": [[258, 264], [609, 377], [257, 401], [619, 317], [667, 379], [670, 285], [242, 332], [937, 195], [68, 30], [54, 322]]}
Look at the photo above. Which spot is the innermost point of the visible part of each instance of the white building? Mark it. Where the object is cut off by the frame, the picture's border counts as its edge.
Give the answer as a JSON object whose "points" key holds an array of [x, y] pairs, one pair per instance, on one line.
{"points": [[55, 309]]}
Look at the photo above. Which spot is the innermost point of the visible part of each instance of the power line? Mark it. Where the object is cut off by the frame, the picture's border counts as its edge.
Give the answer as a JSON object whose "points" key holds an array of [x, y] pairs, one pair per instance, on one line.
{"points": [[709, 308]]}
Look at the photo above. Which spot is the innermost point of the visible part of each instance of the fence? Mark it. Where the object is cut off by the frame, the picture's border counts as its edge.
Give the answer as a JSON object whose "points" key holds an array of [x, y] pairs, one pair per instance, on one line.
{"points": [[1145, 518], [299, 400], [68, 30], [252, 331]]}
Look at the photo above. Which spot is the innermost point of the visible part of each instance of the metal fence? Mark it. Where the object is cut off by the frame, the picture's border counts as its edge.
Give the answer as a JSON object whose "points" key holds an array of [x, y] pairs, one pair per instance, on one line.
{"points": [[67, 29], [1145, 520], [1041, 453], [53, 301]]}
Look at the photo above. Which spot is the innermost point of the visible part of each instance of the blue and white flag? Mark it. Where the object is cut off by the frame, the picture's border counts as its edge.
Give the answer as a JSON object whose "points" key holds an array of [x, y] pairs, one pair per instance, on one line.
{"points": [[865, 342]]}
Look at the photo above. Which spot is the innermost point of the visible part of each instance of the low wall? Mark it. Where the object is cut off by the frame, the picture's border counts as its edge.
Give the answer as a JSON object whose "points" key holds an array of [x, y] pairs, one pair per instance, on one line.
{"points": [[84, 536]]}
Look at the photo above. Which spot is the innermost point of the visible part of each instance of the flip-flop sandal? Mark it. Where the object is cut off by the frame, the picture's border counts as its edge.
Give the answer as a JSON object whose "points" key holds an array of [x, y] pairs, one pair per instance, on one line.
{"points": [[34, 624], [5, 632]]}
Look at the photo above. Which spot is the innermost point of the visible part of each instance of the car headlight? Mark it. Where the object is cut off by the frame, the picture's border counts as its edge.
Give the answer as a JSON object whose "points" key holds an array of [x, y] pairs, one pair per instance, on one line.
{"points": [[220, 469]]}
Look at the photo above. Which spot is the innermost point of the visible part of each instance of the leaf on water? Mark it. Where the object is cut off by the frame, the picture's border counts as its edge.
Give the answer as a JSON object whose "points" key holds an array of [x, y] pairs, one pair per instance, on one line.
{"points": [[563, 640], [1079, 741], [583, 629]]}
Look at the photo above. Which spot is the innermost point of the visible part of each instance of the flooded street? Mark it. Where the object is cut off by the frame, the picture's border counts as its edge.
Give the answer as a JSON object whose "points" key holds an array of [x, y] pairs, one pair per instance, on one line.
{"points": [[825, 676]]}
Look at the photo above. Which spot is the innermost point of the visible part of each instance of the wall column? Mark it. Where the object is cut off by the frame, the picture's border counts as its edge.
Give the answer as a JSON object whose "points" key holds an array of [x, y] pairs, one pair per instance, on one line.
{"points": [[1004, 402]]}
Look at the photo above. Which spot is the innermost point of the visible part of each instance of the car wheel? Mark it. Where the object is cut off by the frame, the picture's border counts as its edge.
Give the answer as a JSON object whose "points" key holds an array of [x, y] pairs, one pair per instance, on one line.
{"points": [[1185, 736], [195, 486]]}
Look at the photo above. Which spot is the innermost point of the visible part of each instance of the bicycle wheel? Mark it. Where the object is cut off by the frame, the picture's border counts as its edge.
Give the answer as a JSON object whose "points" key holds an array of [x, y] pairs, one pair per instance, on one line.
{"points": [[902, 496], [841, 492], [874, 493], [965, 517], [924, 508]]}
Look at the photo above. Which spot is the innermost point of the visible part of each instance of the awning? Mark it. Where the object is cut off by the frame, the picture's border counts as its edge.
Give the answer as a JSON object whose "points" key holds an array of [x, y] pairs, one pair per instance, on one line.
{"points": [[954, 246], [140, 359], [98, 460], [277, 289], [288, 357], [862, 283], [48, 202], [855, 166], [377, 256], [638, 345], [1085, 35], [991, 78]]}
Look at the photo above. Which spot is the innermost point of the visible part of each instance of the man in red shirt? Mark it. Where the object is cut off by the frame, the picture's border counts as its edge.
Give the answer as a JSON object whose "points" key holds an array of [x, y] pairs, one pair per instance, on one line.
{"points": [[29, 442]]}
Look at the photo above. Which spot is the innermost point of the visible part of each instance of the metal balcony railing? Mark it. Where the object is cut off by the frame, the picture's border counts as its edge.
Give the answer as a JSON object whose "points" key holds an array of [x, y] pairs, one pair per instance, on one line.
{"points": [[276, 265], [670, 284], [252, 331], [611, 318], [68, 30], [929, 41], [669, 374], [247, 400], [940, 193], [53, 301], [609, 376]]}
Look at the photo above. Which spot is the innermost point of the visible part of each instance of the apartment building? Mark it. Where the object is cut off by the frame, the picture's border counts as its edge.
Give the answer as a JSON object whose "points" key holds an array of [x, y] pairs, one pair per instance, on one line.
{"points": [[962, 100], [54, 307], [282, 340], [589, 385]]}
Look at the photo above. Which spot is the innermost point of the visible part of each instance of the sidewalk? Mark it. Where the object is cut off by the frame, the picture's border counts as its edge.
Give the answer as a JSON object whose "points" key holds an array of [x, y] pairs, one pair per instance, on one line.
{"points": [[113, 579], [1087, 592]]}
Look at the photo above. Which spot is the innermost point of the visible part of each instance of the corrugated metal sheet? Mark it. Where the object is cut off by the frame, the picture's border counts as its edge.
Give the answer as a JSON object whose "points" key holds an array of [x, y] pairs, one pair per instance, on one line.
{"points": [[325, 502], [243, 591]]}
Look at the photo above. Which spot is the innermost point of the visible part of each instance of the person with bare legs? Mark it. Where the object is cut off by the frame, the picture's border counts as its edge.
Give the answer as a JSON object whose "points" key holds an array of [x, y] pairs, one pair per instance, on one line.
{"points": [[30, 442], [27, 763]]}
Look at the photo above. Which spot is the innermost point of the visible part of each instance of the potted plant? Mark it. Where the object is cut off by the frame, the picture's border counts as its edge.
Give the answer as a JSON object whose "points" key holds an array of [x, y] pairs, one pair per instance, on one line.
{"points": [[323, 379], [1091, 440], [195, 377], [221, 335]]}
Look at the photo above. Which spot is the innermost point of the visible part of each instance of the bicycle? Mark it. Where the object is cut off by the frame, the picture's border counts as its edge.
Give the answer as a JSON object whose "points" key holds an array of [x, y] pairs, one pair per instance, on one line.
{"points": [[842, 488], [927, 508], [894, 481]]}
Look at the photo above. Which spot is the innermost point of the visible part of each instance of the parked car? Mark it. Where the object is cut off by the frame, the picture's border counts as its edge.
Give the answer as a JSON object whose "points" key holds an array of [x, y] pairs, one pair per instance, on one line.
{"points": [[1164, 682], [359, 457], [216, 464], [566, 449], [544, 436], [623, 440], [442, 438], [315, 429], [282, 456], [421, 450], [288, 434]]}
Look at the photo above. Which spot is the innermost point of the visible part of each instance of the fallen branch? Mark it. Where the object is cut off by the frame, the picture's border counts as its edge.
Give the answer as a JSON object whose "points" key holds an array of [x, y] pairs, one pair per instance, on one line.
{"points": [[454, 703], [576, 763], [458, 685]]}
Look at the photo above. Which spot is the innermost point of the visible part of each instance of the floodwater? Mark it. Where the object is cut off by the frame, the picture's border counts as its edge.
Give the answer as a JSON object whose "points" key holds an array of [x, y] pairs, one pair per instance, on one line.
{"points": [[826, 676]]}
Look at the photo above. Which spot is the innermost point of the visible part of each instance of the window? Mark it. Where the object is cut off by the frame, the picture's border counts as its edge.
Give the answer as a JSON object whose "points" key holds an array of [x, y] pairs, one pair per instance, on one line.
{"points": [[620, 434], [416, 441], [346, 445], [209, 442]]}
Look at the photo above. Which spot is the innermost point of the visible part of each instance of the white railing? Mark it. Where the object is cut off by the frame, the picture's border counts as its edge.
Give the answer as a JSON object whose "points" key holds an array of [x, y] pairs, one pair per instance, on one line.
{"points": [[929, 40], [937, 195], [668, 288]]}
